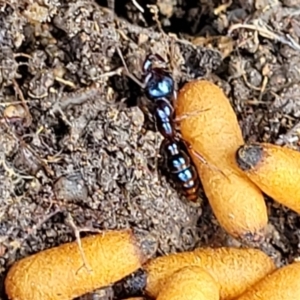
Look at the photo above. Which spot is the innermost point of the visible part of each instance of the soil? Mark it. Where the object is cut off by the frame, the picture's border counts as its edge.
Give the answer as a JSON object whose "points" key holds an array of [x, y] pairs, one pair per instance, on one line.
{"points": [[78, 150]]}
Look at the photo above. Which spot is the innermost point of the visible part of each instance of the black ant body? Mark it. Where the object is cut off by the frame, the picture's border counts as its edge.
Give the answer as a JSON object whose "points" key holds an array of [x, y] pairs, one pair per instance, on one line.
{"points": [[159, 88]]}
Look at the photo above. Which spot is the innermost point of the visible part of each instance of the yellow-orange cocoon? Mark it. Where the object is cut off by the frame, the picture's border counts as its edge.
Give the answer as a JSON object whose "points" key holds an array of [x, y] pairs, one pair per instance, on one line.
{"points": [[190, 283], [59, 274], [209, 124], [275, 170], [283, 284], [233, 269]]}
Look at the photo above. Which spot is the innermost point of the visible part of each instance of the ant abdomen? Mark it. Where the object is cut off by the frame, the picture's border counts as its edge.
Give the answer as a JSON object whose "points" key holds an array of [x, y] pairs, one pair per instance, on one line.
{"points": [[182, 169]]}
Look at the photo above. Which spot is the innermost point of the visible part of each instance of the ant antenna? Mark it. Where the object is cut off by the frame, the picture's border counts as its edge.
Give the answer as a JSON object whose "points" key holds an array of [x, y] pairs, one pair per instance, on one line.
{"points": [[128, 74]]}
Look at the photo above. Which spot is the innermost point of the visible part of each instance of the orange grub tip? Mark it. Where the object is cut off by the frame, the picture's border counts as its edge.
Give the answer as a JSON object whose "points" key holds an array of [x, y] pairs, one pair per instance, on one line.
{"points": [[274, 169], [190, 283], [59, 273], [283, 284], [209, 124], [234, 269]]}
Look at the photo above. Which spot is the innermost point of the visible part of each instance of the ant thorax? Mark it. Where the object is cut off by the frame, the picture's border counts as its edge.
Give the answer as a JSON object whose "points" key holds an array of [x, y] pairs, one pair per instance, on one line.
{"points": [[158, 84]]}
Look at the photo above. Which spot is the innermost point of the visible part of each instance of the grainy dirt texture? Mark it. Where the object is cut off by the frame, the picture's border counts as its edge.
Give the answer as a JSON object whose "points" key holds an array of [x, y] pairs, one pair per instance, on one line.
{"points": [[77, 147]]}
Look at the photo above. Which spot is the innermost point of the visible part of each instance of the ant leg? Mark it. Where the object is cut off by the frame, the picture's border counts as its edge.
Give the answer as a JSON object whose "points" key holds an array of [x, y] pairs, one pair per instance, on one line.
{"points": [[157, 153], [126, 71], [203, 160], [137, 81], [172, 101], [189, 115], [160, 157], [159, 150], [196, 153], [122, 59]]}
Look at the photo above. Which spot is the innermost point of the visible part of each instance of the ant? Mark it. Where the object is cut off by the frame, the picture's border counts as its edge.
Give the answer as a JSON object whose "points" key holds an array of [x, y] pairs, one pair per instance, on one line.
{"points": [[159, 89]]}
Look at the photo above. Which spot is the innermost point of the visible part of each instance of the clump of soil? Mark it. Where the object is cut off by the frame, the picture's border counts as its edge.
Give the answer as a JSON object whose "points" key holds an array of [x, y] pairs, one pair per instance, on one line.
{"points": [[76, 142]]}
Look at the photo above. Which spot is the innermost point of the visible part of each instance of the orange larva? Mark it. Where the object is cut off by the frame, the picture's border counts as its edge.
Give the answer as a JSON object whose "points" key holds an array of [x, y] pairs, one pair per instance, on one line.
{"points": [[233, 269], [212, 130], [274, 169], [282, 284], [59, 273], [190, 283]]}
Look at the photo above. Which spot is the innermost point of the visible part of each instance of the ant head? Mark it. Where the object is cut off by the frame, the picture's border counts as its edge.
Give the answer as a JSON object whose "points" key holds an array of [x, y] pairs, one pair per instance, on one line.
{"points": [[148, 63]]}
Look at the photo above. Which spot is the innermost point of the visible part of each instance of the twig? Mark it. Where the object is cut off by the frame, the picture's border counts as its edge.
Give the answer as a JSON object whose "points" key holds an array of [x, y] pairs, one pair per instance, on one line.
{"points": [[24, 103], [3, 104], [222, 7], [290, 137], [137, 5], [70, 222], [263, 31]]}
